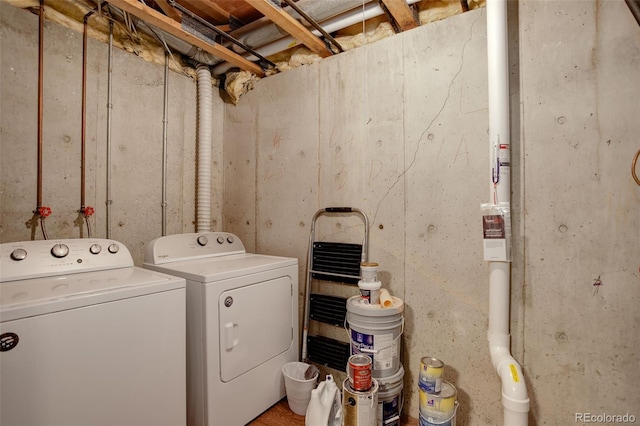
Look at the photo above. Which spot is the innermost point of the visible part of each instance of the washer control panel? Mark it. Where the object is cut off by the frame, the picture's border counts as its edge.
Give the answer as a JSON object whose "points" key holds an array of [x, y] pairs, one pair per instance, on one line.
{"points": [[174, 248], [32, 259]]}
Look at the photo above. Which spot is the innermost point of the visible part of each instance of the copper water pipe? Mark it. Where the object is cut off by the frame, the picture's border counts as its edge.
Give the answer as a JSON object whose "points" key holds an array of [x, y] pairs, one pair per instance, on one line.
{"points": [[40, 102], [41, 212], [84, 113]]}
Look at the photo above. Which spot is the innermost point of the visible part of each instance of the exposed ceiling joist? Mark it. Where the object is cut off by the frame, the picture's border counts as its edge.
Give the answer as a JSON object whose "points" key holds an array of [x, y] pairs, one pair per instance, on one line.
{"points": [[169, 10], [402, 14], [167, 24], [206, 8], [285, 21]]}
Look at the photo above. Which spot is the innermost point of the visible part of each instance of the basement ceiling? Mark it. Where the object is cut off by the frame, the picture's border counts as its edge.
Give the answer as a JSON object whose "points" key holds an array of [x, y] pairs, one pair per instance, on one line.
{"points": [[250, 38]]}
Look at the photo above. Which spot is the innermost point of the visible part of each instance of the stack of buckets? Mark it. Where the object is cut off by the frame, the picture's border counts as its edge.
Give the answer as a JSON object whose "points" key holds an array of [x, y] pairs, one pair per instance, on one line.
{"points": [[438, 398], [375, 327]]}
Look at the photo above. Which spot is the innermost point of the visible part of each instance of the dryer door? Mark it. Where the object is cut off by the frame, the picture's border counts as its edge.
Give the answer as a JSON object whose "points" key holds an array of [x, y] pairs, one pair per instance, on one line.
{"points": [[255, 325]]}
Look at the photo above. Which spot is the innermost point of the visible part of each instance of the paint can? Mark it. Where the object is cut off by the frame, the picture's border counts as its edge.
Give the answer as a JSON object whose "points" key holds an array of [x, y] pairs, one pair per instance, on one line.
{"points": [[376, 331], [359, 372], [360, 408], [430, 377], [438, 405], [390, 398], [439, 421]]}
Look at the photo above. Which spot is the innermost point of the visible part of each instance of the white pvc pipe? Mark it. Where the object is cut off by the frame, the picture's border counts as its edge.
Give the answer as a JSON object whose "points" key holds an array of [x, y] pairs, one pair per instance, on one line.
{"points": [[515, 399], [205, 126]]}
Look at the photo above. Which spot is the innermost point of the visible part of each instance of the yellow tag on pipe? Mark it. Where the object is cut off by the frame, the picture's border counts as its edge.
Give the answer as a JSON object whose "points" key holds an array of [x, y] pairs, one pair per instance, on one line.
{"points": [[514, 373]]}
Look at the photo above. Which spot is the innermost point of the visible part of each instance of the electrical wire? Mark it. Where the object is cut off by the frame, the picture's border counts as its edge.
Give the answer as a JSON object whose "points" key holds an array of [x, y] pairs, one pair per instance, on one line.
{"points": [[633, 167]]}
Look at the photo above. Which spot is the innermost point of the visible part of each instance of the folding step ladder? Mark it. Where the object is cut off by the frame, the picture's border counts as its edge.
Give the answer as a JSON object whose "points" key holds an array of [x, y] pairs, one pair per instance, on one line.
{"points": [[336, 262]]}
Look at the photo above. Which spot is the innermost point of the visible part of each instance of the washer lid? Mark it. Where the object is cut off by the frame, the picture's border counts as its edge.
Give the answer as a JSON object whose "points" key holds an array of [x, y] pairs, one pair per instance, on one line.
{"points": [[37, 296], [224, 267]]}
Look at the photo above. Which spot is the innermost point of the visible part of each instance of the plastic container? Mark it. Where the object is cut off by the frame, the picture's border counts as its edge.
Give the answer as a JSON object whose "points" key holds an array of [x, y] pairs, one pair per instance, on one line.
{"points": [[298, 388], [369, 272], [390, 398], [325, 405], [370, 291], [376, 331]]}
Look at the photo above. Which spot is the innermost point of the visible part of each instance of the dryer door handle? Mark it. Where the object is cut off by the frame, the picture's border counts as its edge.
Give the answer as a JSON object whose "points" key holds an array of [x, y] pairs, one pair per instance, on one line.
{"points": [[229, 336]]}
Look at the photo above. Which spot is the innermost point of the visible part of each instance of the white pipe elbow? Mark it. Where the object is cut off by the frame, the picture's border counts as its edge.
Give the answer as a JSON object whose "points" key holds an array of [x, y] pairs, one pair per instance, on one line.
{"points": [[515, 399]]}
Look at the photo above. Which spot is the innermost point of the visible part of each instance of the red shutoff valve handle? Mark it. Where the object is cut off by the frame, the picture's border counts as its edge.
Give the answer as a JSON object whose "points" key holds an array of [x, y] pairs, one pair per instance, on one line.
{"points": [[43, 212], [87, 211]]}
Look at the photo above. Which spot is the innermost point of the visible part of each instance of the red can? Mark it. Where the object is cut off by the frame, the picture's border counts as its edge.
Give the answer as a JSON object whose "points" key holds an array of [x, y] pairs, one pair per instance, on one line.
{"points": [[359, 372]]}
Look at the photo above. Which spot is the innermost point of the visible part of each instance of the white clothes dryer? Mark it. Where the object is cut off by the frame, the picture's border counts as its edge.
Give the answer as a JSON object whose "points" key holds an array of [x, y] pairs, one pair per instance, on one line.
{"points": [[87, 338], [242, 323]]}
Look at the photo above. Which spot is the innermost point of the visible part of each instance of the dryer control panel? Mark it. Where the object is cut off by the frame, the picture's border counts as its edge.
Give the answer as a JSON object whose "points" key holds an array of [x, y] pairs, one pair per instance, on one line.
{"points": [[42, 258], [178, 247]]}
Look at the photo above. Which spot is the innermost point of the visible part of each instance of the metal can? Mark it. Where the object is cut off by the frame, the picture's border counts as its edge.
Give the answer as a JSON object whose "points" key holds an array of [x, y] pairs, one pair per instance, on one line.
{"points": [[430, 378], [360, 408], [439, 405], [359, 372]]}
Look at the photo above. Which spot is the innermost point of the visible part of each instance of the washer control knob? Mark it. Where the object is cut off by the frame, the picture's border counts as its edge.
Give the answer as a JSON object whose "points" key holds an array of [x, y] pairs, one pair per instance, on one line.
{"points": [[230, 239], [95, 249], [220, 239], [19, 254], [113, 248], [202, 240], [60, 250]]}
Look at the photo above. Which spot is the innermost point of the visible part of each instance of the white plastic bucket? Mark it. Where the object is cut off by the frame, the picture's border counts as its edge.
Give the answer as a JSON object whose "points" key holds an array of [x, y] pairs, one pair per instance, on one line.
{"points": [[298, 388], [376, 331], [390, 399]]}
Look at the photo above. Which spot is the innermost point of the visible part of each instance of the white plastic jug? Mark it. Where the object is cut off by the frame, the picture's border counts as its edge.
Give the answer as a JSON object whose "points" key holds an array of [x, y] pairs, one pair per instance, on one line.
{"points": [[325, 406]]}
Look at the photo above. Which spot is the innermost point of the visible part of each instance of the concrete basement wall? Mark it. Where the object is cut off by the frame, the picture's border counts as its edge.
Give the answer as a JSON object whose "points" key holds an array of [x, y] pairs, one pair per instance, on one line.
{"points": [[138, 91], [399, 129]]}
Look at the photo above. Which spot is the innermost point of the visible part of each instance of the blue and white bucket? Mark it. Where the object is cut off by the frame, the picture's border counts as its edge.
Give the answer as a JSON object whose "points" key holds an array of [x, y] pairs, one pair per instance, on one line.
{"points": [[376, 331], [390, 399]]}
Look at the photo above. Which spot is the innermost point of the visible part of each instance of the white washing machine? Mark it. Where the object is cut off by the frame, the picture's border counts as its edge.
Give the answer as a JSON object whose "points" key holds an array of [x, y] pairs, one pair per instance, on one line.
{"points": [[87, 338], [242, 323]]}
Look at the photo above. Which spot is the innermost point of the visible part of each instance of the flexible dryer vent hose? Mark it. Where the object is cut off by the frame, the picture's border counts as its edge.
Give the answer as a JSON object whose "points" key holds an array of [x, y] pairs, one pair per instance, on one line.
{"points": [[205, 125]]}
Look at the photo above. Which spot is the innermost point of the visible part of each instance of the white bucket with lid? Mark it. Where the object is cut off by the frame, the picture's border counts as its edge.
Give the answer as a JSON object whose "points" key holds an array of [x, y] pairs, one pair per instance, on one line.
{"points": [[376, 331], [390, 398]]}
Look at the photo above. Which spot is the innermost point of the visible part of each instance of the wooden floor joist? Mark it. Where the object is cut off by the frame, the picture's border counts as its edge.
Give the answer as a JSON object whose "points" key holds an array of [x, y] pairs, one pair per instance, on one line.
{"points": [[285, 21], [174, 28]]}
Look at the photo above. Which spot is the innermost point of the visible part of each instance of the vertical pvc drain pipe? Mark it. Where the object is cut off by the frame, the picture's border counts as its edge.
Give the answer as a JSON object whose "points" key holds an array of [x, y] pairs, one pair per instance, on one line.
{"points": [[514, 390], [205, 126]]}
